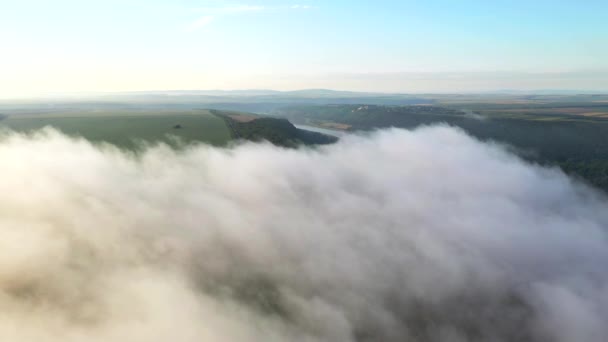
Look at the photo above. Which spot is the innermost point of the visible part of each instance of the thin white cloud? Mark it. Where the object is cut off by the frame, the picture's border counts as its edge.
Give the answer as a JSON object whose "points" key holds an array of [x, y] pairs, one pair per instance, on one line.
{"points": [[231, 9], [200, 23], [242, 8], [305, 7], [212, 13]]}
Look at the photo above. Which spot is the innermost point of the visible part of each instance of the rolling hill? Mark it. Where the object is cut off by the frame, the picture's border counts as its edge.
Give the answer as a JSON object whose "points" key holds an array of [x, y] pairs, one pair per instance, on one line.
{"points": [[131, 128]]}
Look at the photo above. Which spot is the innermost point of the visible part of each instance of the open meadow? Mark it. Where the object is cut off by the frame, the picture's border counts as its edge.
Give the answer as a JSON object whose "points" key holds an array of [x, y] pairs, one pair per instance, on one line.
{"points": [[128, 128]]}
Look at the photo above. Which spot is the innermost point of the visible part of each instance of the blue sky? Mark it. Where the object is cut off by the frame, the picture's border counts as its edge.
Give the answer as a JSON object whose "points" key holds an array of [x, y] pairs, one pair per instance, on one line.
{"points": [[404, 46]]}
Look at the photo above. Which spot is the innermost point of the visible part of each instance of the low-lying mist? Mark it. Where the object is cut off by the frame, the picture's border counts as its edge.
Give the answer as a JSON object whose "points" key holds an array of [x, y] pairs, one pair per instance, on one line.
{"points": [[426, 235]]}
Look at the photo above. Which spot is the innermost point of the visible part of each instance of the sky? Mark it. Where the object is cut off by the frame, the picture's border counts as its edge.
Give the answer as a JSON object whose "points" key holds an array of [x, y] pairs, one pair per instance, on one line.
{"points": [[385, 46]]}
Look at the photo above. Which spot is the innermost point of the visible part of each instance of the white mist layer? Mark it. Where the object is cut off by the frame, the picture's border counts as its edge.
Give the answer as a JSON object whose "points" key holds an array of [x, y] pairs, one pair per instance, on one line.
{"points": [[427, 235]]}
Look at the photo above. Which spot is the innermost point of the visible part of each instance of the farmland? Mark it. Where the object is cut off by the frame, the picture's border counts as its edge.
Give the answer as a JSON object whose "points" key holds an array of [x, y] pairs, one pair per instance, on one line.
{"points": [[137, 127], [128, 129]]}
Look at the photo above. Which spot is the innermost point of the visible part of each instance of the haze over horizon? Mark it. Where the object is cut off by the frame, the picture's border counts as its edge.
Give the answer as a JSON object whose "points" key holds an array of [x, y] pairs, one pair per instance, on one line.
{"points": [[305, 93], [401, 46]]}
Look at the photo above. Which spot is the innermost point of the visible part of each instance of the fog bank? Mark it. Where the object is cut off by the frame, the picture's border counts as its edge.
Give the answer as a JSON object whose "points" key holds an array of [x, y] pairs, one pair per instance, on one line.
{"points": [[426, 235]]}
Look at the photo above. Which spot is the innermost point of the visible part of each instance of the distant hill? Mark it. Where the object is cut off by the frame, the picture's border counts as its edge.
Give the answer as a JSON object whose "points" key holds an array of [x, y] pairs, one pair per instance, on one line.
{"points": [[256, 101]]}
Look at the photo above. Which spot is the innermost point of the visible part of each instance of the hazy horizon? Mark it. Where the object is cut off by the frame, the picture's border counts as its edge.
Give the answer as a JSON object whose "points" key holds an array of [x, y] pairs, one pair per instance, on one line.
{"points": [[245, 92], [395, 47]]}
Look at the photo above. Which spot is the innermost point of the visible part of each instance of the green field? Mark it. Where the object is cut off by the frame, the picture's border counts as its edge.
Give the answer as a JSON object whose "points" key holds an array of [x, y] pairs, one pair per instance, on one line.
{"points": [[128, 128]]}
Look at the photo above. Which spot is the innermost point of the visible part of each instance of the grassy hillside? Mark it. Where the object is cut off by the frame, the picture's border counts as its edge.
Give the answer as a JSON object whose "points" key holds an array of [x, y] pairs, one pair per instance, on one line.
{"points": [[126, 129]]}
